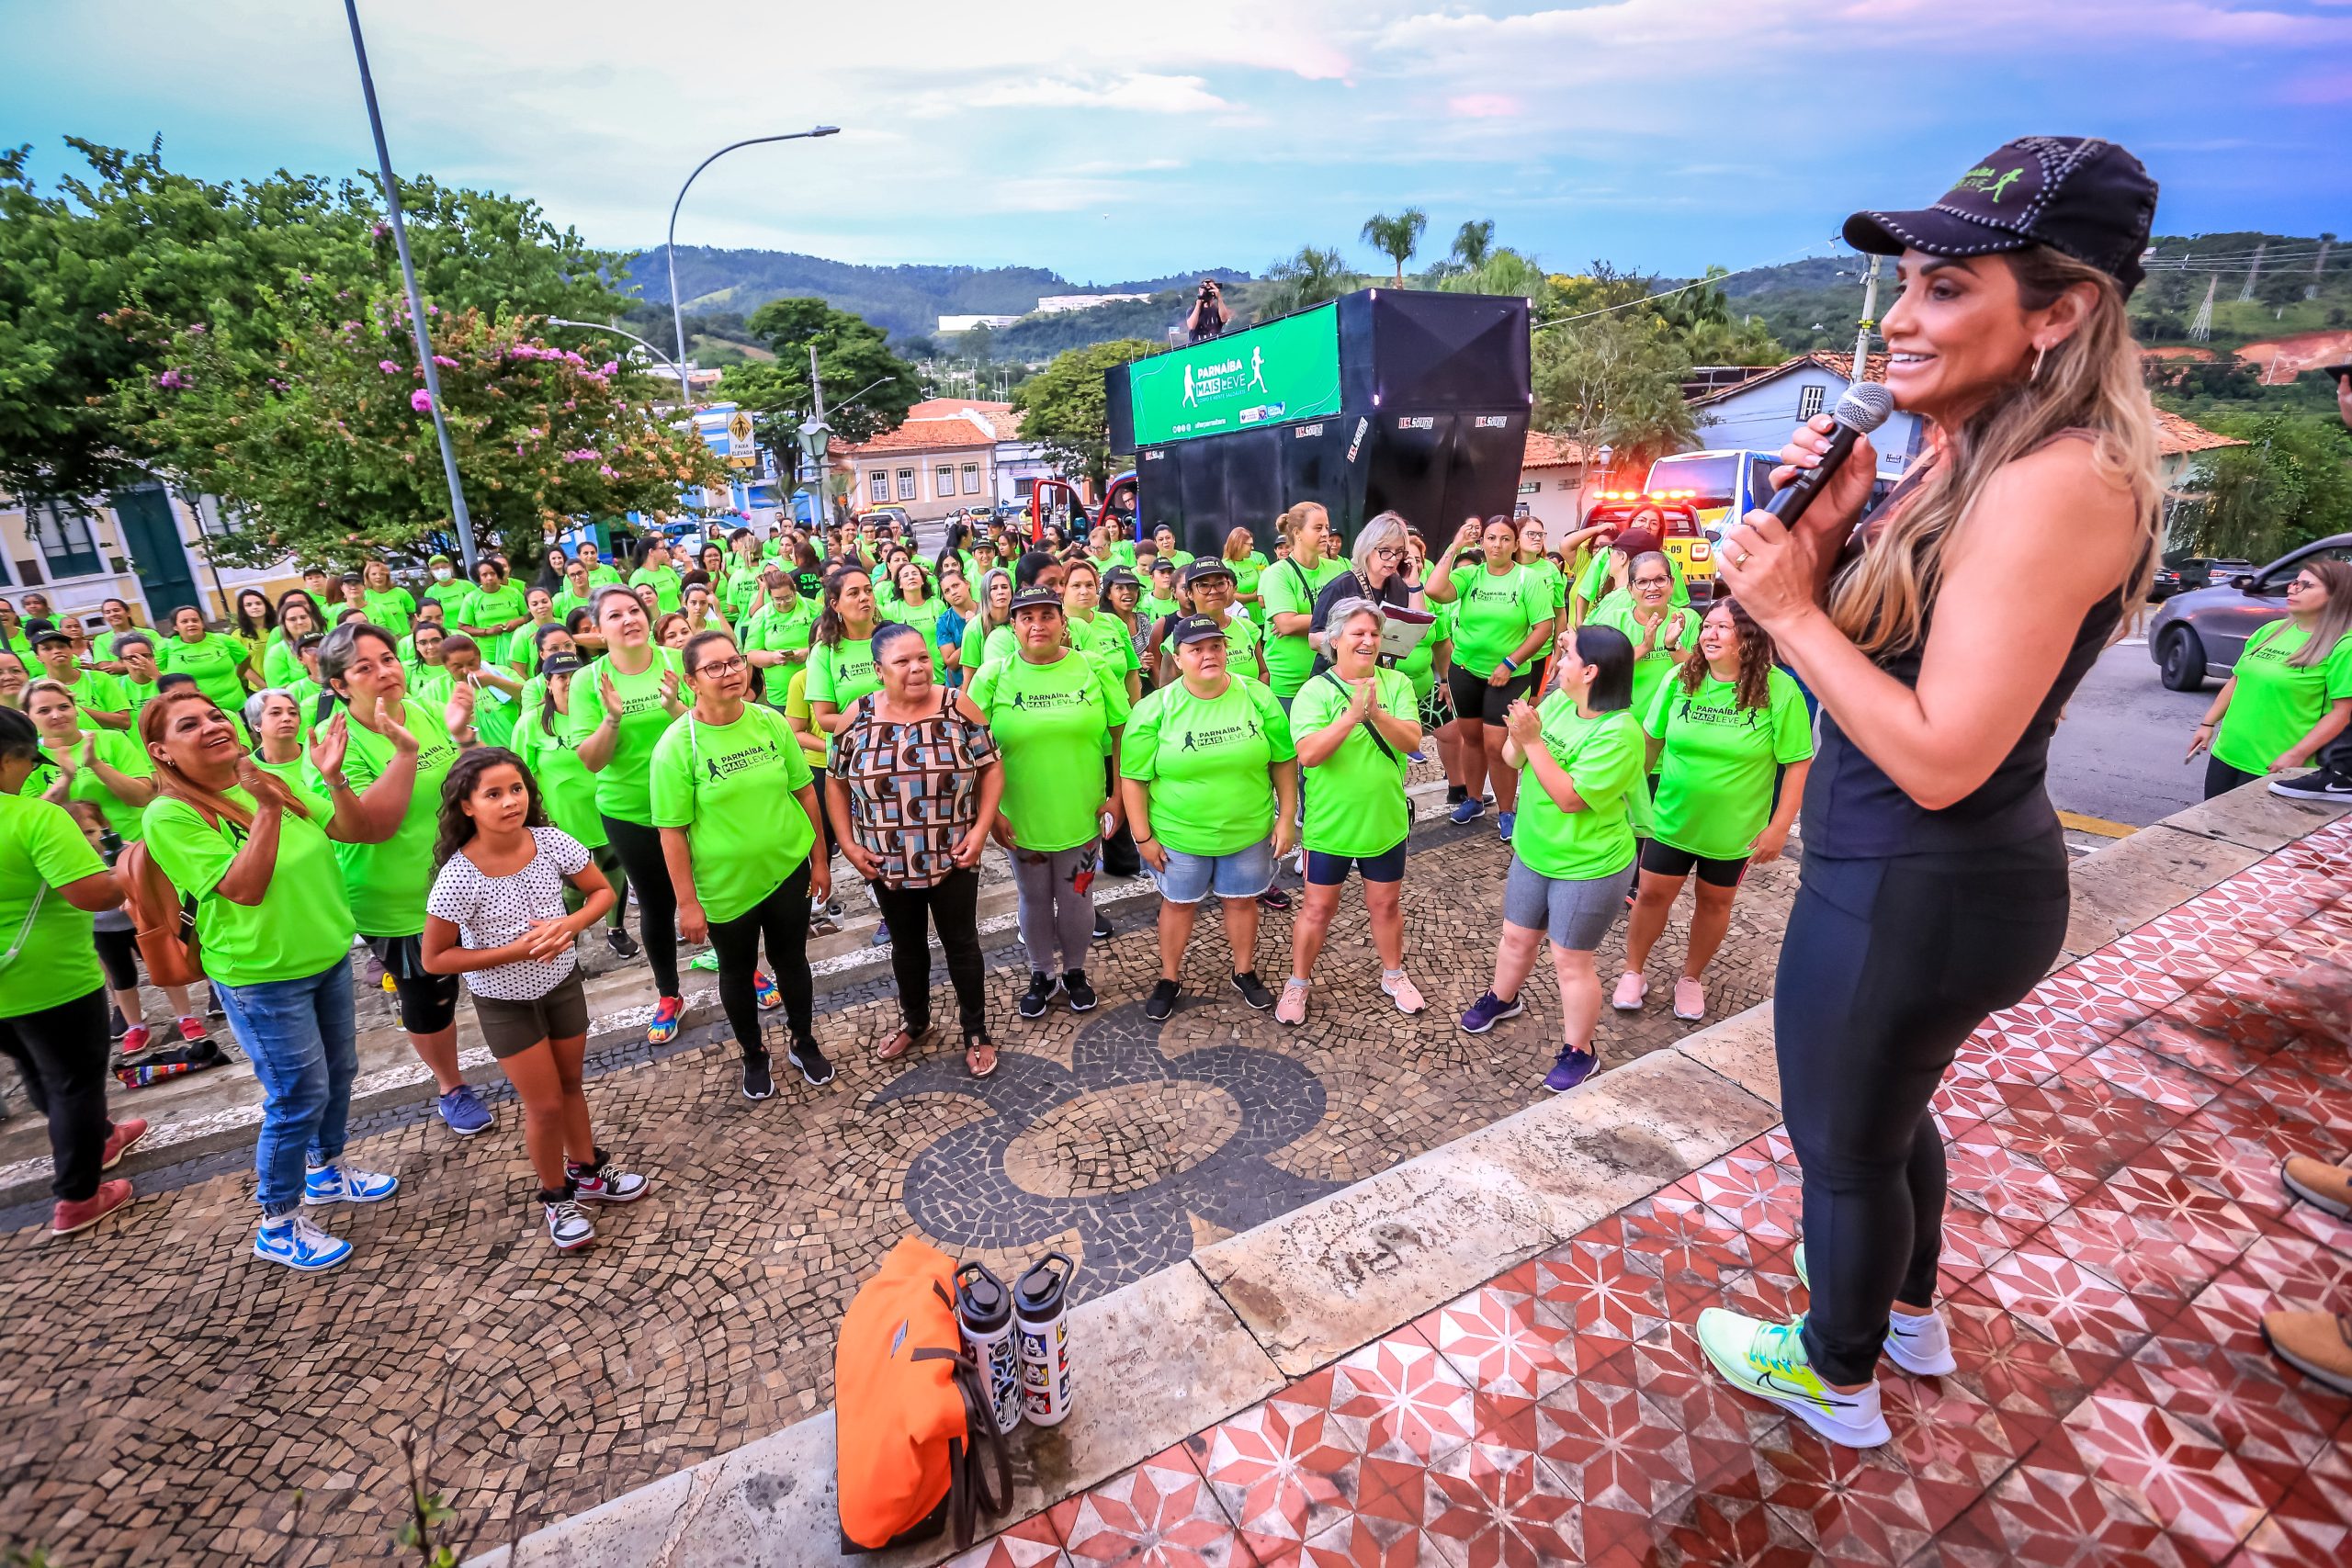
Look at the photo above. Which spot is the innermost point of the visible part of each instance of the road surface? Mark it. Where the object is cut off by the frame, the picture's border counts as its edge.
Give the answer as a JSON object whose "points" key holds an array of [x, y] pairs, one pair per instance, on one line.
{"points": [[2116, 755]]}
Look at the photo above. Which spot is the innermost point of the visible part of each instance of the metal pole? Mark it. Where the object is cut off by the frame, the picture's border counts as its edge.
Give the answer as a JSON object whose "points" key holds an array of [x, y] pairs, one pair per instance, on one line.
{"points": [[415, 299], [669, 250], [660, 357], [817, 399], [1869, 322]]}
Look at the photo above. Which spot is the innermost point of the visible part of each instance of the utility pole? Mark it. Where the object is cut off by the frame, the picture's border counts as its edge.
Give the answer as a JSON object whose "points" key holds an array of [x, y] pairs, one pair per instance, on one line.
{"points": [[416, 300], [2252, 272], [1869, 323], [2310, 290], [2201, 329], [820, 445]]}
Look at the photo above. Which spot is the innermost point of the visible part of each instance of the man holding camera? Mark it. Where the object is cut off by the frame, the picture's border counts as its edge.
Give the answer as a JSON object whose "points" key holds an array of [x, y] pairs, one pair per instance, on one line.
{"points": [[1209, 314]]}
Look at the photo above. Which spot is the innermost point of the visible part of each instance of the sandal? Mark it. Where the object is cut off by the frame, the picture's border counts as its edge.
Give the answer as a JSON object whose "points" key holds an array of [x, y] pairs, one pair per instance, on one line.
{"points": [[901, 1043], [980, 1055]]}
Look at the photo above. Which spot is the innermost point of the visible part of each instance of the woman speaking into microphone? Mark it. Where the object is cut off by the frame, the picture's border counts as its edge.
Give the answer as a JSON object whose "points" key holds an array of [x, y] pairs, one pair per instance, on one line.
{"points": [[1943, 636]]}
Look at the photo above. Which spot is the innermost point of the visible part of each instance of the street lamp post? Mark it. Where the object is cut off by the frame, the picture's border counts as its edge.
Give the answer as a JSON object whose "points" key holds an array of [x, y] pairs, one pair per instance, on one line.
{"points": [[416, 300], [659, 357], [677, 314]]}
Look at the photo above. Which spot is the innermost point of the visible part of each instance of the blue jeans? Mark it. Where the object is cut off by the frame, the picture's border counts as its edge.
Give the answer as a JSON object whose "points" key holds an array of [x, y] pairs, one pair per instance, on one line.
{"points": [[301, 1036]]}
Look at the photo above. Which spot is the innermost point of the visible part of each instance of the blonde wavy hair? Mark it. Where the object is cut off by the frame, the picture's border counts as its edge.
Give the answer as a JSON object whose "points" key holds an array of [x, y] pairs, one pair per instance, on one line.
{"points": [[2090, 382]]}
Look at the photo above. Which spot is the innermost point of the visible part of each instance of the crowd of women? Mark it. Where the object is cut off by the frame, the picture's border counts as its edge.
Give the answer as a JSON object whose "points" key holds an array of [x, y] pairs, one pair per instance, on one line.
{"points": [[456, 784]]}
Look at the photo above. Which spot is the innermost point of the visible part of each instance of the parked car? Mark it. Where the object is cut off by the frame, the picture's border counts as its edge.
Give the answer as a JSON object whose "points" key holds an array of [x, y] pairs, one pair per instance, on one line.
{"points": [[2202, 631]]}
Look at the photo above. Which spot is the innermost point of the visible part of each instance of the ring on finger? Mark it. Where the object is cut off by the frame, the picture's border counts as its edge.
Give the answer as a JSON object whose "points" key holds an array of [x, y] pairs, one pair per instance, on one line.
{"points": [[1737, 555]]}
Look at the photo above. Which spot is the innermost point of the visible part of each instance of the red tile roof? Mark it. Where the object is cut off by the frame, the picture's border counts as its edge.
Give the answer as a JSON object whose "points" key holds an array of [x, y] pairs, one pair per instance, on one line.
{"points": [[2176, 435], [955, 433], [1548, 451], [946, 408]]}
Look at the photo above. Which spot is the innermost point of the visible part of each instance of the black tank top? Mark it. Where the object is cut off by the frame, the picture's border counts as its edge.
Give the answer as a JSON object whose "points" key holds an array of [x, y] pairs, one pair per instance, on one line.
{"points": [[1852, 810]]}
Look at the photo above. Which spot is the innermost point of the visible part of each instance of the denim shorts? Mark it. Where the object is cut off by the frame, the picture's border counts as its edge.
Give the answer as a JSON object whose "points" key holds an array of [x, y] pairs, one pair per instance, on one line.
{"points": [[1244, 874], [1576, 914]]}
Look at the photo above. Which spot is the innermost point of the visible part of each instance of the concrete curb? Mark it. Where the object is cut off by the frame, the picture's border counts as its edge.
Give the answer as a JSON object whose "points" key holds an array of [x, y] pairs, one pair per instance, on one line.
{"points": [[1181, 1350]]}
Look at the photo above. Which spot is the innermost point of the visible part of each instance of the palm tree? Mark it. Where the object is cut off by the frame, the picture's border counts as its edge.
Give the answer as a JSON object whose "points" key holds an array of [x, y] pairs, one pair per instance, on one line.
{"points": [[1397, 237], [1472, 243], [1308, 278]]}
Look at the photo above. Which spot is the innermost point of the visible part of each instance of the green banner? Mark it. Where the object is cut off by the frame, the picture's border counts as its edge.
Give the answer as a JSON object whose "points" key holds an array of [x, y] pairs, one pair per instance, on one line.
{"points": [[1286, 369]]}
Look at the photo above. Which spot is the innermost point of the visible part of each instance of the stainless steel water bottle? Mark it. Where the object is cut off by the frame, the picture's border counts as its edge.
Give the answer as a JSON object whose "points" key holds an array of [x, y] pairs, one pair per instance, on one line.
{"points": [[984, 1309], [1040, 1326]]}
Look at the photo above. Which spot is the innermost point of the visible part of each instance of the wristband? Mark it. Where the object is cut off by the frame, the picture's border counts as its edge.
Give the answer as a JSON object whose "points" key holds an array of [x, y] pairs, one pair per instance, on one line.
{"points": [[1510, 664], [336, 784]]}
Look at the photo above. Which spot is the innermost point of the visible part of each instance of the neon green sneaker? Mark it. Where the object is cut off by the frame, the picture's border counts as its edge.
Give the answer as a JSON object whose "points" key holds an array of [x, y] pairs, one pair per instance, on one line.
{"points": [[1768, 1360], [1918, 1342]]}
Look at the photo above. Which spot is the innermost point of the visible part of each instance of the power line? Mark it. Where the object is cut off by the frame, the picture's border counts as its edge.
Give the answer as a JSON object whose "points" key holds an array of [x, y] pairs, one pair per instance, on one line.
{"points": [[1694, 283]]}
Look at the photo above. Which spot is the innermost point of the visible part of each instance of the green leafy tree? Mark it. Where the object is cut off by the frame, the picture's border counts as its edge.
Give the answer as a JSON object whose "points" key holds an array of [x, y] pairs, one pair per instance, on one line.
{"points": [[131, 233], [324, 448], [1616, 379], [1472, 243], [1062, 406], [1502, 270], [2289, 484], [852, 356], [1310, 278], [1397, 237]]}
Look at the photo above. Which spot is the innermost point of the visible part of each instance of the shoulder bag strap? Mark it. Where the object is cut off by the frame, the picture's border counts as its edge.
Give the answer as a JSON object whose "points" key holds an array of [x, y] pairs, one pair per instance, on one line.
{"points": [[25, 932], [1368, 727]]}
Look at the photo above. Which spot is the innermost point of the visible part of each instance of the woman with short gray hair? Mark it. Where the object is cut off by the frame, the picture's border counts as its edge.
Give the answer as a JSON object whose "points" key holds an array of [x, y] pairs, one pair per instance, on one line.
{"points": [[1376, 574]]}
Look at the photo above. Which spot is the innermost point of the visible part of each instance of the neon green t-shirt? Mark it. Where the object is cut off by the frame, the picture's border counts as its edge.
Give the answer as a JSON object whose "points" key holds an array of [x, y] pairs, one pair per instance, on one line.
{"points": [[731, 787], [1360, 805], [565, 784], [1242, 637], [281, 664], [566, 600], [1150, 610], [973, 650], [495, 713], [667, 593], [95, 691], [1101, 635], [1714, 782], [523, 650], [1206, 762], [842, 675], [1555, 582], [386, 882], [1652, 669], [621, 791], [1287, 588], [1602, 757], [490, 607], [41, 849], [1246, 571], [393, 608], [1420, 666], [121, 750], [301, 927], [1052, 724], [452, 595], [2275, 703], [1494, 612], [771, 630], [211, 662], [924, 618]]}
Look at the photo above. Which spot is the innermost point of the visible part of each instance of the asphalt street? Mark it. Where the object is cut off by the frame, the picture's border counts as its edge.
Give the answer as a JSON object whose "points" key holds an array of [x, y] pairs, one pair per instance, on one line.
{"points": [[2117, 754]]}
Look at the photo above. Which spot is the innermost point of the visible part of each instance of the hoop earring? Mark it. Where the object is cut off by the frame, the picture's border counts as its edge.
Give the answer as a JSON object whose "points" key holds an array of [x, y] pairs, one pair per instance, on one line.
{"points": [[2039, 355]]}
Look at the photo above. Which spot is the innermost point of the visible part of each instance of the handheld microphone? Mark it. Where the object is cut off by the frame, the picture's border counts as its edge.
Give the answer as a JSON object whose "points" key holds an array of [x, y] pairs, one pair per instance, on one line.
{"points": [[1862, 410]]}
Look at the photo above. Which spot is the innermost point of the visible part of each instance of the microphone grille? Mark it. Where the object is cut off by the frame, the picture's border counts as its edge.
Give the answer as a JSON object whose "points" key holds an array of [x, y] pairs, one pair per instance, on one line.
{"points": [[1864, 407]]}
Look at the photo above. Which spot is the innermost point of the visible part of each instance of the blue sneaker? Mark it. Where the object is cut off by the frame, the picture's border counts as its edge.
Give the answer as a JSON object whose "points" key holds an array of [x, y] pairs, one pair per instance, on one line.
{"points": [[339, 1183], [881, 937], [1570, 1069], [299, 1244], [1416, 757], [1504, 822], [1468, 811], [463, 1111], [1487, 1012]]}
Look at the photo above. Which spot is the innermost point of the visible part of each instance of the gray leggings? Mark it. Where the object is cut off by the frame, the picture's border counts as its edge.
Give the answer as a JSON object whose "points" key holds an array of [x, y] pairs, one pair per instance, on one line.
{"points": [[1054, 914]]}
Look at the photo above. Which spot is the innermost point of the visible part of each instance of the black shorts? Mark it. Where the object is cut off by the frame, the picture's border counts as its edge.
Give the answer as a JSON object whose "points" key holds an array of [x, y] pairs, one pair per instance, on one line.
{"points": [[1329, 870], [118, 957], [1666, 861], [1474, 698], [428, 1002]]}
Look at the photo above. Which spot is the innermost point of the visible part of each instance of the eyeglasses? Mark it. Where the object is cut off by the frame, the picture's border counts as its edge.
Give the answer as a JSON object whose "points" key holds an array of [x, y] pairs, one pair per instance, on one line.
{"points": [[735, 666], [1392, 551]]}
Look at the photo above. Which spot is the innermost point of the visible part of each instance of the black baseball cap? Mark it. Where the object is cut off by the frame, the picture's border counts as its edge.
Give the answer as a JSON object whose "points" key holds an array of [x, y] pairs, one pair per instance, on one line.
{"points": [[1035, 598], [1204, 567], [2078, 195], [48, 635], [556, 664], [1195, 629], [1121, 577]]}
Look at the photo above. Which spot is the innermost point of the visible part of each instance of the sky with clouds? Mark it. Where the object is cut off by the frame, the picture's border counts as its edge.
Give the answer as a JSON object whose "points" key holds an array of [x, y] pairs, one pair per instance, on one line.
{"points": [[1115, 141]]}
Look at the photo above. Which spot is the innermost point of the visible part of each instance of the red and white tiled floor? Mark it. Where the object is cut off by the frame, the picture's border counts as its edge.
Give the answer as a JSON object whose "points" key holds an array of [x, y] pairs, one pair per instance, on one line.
{"points": [[2116, 1229]]}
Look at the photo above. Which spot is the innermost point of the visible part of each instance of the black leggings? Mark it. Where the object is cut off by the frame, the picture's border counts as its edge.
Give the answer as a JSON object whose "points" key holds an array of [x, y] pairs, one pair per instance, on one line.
{"points": [[783, 918], [61, 1052], [954, 904], [640, 847], [1888, 965], [2221, 778]]}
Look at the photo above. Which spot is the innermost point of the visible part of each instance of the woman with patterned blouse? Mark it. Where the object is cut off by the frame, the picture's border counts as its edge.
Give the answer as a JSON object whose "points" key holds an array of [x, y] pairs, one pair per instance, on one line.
{"points": [[912, 794]]}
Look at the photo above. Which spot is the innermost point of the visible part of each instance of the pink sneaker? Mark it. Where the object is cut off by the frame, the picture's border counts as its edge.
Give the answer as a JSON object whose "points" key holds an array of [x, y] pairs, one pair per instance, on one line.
{"points": [[1689, 999], [1292, 1009], [1402, 991], [1633, 990], [192, 1030], [127, 1132], [135, 1038]]}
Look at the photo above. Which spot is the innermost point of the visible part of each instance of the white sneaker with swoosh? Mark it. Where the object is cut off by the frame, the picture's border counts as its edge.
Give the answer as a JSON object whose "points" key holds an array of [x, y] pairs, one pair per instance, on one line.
{"points": [[1920, 1343], [1769, 1361]]}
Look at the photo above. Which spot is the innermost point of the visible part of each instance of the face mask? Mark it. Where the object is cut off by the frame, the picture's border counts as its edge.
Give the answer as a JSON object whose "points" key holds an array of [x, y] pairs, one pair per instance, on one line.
{"points": [[443, 574]]}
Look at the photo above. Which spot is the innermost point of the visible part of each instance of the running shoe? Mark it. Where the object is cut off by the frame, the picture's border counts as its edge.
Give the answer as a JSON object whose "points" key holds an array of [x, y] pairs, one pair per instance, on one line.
{"points": [[126, 1133], [1469, 810], [117, 1025], [1041, 990], [1504, 822], [1487, 1012], [668, 1015], [1689, 999], [1163, 1000], [1402, 991], [608, 1183], [1920, 1343], [763, 989], [1101, 926], [192, 1030], [881, 937], [568, 1224], [759, 1082], [1631, 991], [2316, 1343], [624, 945], [2321, 1185], [1417, 757], [1291, 1008], [297, 1243], [464, 1113], [1768, 1360], [65, 1218], [811, 1059], [1253, 991], [135, 1039], [2321, 784], [1569, 1069], [1274, 899], [337, 1183], [1077, 992]]}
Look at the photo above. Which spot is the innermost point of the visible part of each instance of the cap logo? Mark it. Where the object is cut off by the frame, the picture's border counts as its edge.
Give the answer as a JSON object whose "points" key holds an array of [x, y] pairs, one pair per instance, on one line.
{"points": [[1991, 181]]}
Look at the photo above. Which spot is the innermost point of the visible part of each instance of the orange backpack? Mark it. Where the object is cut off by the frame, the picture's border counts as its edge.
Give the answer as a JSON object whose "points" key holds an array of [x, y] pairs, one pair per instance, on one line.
{"points": [[164, 921], [911, 1411]]}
